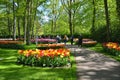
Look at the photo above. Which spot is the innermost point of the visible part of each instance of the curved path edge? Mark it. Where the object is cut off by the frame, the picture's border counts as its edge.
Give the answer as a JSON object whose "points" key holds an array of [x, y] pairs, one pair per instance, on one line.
{"points": [[94, 66]]}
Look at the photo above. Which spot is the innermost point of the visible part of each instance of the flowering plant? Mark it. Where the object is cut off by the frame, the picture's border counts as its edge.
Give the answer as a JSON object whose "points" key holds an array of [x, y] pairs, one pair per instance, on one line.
{"points": [[43, 40], [86, 42], [10, 42], [49, 58], [48, 46], [112, 47]]}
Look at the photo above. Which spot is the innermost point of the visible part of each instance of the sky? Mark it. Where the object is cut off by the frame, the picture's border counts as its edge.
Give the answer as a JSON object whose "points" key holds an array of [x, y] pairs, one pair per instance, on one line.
{"points": [[45, 17]]}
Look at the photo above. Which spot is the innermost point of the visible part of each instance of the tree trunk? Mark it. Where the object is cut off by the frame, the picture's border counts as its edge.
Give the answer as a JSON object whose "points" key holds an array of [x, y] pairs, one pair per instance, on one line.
{"points": [[32, 19], [53, 17], [93, 21], [55, 26], [8, 20], [28, 22], [73, 19], [70, 22], [35, 11], [25, 23], [52, 25], [24, 26], [71, 13], [73, 23], [14, 22], [70, 19], [18, 22], [107, 20]]}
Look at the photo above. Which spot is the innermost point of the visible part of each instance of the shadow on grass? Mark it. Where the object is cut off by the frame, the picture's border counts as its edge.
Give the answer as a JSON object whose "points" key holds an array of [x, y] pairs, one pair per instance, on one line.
{"points": [[17, 46], [9, 70], [32, 73], [11, 46]]}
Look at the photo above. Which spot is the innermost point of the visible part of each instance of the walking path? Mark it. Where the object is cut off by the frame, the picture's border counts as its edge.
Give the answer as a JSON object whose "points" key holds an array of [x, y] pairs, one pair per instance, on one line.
{"points": [[95, 66]]}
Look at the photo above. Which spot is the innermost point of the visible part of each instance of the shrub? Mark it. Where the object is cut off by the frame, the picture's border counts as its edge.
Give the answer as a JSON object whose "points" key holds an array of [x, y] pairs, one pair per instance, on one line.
{"points": [[99, 34]]}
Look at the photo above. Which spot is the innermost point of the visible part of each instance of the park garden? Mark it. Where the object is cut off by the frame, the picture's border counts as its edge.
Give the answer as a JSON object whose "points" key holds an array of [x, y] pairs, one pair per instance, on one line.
{"points": [[30, 49]]}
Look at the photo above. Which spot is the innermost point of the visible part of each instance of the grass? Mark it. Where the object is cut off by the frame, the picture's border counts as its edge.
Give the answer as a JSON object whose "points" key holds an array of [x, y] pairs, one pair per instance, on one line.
{"points": [[9, 70], [98, 48]]}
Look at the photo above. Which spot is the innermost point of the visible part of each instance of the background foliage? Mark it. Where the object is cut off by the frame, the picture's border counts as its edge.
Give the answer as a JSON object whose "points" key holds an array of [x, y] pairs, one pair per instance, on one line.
{"points": [[49, 17]]}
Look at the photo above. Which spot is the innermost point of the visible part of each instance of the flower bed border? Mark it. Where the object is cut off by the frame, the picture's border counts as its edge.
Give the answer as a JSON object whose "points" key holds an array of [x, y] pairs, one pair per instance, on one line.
{"points": [[50, 46], [10, 44]]}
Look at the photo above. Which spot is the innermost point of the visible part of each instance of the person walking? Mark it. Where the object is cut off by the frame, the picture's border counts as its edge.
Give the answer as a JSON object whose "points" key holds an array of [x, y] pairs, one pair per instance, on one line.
{"points": [[65, 39], [58, 38], [80, 40], [71, 39]]}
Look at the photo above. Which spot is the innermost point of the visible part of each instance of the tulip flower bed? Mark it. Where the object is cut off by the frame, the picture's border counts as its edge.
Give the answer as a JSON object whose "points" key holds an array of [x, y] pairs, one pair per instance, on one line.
{"points": [[86, 42], [11, 44], [112, 48], [48, 46], [43, 40], [44, 58]]}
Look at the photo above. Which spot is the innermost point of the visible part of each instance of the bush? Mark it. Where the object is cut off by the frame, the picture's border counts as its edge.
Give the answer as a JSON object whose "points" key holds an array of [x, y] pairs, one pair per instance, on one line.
{"points": [[99, 34]]}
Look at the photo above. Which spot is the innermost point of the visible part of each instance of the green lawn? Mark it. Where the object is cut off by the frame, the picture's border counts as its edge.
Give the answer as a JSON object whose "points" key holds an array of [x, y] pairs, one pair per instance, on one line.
{"points": [[9, 70]]}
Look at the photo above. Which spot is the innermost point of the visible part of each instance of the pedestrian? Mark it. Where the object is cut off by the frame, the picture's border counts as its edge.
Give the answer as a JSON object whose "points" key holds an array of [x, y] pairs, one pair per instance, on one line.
{"points": [[65, 39], [71, 39], [80, 40], [58, 38]]}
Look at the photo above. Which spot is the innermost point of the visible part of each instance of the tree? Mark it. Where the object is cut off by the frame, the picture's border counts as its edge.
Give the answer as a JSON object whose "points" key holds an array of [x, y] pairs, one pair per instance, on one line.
{"points": [[18, 19], [28, 11], [71, 6], [9, 25], [66, 4], [55, 13], [14, 21], [107, 20], [93, 21]]}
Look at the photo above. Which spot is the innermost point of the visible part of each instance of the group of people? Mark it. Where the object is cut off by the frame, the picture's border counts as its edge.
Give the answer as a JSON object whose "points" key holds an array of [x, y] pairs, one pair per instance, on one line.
{"points": [[65, 39], [79, 40]]}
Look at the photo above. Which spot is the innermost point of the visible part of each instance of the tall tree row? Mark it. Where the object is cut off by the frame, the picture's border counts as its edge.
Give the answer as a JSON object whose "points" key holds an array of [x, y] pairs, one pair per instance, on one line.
{"points": [[31, 8], [19, 17], [21, 13]]}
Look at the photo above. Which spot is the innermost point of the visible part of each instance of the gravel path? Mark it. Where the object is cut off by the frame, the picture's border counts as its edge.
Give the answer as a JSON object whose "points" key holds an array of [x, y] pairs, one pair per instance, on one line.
{"points": [[95, 66]]}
